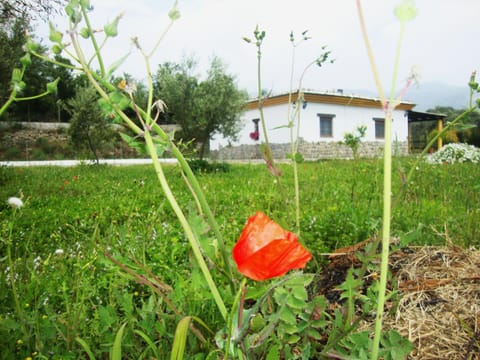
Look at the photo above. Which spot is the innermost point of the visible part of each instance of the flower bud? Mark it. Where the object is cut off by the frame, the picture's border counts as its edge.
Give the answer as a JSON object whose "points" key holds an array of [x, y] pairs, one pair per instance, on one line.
{"points": [[26, 60], [112, 28], [406, 11], [85, 33], [55, 35], [52, 86], [57, 49]]}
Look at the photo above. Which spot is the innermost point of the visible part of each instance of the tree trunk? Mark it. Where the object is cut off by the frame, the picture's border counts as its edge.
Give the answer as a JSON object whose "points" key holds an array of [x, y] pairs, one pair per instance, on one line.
{"points": [[203, 147], [92, 147]]}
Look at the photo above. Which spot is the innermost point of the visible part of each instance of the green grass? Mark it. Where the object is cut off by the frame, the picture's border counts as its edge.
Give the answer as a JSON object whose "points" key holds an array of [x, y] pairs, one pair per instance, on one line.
{"points": [[80, 297]]}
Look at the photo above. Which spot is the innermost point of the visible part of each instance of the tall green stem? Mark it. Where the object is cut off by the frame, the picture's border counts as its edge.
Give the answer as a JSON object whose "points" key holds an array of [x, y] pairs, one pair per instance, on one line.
{"points": [[98, 54], [371, 58], [387, 203], [185, 225], [150, 145], [9, 102], [11, 266]]}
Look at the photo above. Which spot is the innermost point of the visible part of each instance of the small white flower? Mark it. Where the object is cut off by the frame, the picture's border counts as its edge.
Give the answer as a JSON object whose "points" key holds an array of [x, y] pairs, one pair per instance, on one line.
{"points": [[15, 202], [36, 262], [59, 252], [160, 105]]}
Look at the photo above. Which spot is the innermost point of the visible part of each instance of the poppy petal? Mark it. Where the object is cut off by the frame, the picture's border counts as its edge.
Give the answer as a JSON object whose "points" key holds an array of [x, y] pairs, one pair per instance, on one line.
{"points": [[258, 232], [275, 259], [265, 250]]}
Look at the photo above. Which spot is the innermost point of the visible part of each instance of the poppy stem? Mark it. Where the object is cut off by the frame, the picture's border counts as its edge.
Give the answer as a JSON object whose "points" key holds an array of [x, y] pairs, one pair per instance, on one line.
{"points": [[239, 299]]}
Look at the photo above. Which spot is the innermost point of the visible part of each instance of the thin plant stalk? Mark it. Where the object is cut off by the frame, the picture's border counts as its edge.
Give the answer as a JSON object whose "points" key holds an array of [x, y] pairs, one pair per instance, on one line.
{"points": [[260, 96], [387, 180], [161, 176], [294, 137], [232, 315], [21, 315], [186, 226]]}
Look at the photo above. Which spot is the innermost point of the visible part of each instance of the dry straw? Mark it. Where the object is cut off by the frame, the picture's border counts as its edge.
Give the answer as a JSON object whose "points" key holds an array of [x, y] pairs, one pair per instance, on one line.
{"points": [[439, 308]]}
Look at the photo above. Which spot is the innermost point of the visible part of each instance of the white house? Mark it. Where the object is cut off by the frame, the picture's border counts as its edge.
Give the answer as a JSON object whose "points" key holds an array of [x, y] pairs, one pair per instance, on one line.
{"points": [[325, 117]]}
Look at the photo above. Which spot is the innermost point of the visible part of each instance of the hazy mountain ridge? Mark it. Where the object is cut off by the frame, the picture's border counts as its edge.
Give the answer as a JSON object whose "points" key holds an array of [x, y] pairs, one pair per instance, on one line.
{"points": [[430, 94]]}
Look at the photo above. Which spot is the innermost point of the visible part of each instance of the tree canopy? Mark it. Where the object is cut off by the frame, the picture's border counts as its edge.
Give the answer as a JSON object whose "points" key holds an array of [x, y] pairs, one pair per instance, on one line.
{"points": [[12, 10], [202, 108]]}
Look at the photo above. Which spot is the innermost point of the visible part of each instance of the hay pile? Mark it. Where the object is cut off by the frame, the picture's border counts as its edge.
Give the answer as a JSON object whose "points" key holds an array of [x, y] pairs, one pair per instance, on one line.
{"points": [[439, 309], [439, 298]]}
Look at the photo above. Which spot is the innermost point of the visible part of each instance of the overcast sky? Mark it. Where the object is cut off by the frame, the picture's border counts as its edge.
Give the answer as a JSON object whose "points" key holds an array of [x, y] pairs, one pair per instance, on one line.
{"points": [[442, 41]]}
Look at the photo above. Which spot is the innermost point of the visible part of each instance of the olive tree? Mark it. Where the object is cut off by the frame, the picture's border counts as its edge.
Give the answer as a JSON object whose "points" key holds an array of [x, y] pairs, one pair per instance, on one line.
{"points": [[202, 108]]}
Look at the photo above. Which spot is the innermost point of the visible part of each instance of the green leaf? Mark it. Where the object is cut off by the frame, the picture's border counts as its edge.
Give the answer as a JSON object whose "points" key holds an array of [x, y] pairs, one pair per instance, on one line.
{"points": [[86, 348], [111, 30], [463, 127], [119, 99], [180, 338], [257, 322], [149, 342], [349, 286], [52, 87], [295, 303], [300, 293], [139, 146], [200, 228], [292, 339], [55, 35], [116, 65], [273, 353], [406, 10], [314, 334], [116, 352], [286, 315], [299, 279], [395, 346], [355, 346]]}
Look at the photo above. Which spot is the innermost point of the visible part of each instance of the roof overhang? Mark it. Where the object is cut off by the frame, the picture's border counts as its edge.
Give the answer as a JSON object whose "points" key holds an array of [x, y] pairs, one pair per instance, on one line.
{"points": [[325, 98], [420, 116]]}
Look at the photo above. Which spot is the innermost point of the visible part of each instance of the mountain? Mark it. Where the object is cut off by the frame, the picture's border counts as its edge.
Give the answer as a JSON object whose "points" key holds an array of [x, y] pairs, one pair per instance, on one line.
{"points": [[432, 94], [429, 95]]}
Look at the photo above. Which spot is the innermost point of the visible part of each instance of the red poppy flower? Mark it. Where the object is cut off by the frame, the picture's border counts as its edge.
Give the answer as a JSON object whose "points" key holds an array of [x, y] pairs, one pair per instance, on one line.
{"points": [[265, 250]]}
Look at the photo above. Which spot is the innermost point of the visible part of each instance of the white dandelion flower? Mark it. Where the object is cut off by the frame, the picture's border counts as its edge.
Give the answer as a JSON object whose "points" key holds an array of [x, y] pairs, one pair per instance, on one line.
{"points": [[15, 202]]}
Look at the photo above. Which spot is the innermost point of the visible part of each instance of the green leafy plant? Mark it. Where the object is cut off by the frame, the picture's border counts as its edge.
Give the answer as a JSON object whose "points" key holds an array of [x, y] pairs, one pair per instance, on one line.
{"points": [[353, 140]]}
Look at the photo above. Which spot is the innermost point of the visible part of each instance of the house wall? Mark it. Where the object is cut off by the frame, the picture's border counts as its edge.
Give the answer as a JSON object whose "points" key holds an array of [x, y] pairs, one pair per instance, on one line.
{"points": [[347, 119]]}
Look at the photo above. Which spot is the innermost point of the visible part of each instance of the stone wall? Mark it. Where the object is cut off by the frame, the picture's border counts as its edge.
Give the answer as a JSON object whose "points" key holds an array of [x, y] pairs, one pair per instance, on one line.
{"points": [[43, 141], [24, 137], [310, 151], [25, 133]]}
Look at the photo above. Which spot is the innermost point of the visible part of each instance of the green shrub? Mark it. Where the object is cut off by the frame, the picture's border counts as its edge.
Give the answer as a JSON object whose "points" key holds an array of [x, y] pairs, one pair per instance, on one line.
{"points": [[204, 166]]}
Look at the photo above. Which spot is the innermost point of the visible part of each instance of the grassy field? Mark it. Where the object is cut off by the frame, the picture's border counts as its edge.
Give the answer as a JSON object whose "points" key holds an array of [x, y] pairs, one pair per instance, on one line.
{"points": [[72, 299]]}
